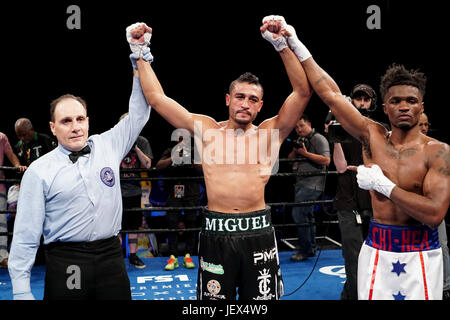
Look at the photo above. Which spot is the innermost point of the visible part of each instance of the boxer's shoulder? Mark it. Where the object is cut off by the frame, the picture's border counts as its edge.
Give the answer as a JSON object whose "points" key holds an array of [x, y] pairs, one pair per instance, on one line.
{"points": [[438, 154]]}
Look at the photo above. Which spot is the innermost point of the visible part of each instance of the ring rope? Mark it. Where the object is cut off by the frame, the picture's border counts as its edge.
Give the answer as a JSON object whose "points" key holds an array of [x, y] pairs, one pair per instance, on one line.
{"points": [[272, 204]]}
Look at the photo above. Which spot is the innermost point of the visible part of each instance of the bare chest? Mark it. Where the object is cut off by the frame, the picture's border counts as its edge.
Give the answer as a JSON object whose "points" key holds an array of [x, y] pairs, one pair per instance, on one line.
{"points": [[258, 148], [405, 166]]}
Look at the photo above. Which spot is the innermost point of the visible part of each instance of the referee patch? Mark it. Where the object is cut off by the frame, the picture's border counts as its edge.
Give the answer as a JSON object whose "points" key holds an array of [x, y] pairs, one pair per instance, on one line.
{"points": [[107, 176]]}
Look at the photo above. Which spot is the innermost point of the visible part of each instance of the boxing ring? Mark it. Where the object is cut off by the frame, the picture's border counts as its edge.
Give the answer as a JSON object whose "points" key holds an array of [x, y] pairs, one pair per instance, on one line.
{"points": [[318, 278]]}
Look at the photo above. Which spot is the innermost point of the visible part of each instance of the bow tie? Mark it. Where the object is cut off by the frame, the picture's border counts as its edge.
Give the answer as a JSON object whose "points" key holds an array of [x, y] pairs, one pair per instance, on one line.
{"points": [[76, 154]]}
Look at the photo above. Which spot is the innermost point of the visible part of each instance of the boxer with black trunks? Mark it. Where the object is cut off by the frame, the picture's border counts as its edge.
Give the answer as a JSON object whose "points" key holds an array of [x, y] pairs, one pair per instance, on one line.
{"points": [[408, 176], [237, 243]]}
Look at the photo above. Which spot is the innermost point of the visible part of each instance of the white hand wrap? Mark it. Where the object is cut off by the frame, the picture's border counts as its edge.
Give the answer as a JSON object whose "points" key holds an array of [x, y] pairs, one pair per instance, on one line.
{"points": [[296, 45], [138, 45], [374, 179], [280, 42]]}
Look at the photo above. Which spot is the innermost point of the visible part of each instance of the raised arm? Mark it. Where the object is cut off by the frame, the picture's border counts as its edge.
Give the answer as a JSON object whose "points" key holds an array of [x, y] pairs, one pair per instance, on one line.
{"points": [[327, 89], [168, 108], [138, 36], [146, 161], [296, 102]]}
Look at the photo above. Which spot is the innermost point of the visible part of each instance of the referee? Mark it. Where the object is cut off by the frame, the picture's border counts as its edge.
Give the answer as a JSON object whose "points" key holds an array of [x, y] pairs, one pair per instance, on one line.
{"points": [[72, 197]]}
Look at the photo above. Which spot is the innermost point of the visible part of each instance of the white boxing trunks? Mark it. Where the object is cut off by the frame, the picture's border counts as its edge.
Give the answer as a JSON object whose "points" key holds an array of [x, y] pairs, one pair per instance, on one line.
{"points": [[400, 263]]}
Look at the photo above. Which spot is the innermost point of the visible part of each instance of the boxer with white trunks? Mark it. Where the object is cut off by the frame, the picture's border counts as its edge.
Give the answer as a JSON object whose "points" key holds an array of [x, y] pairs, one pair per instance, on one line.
{"points": [[400, 262], [408, 176]]}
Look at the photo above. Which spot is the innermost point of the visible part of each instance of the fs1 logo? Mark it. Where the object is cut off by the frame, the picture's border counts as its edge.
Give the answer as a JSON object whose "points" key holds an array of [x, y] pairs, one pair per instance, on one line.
{"points": [[159, 279]]}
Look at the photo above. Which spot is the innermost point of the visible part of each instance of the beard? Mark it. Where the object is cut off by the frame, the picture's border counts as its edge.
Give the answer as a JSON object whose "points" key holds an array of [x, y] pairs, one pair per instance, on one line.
{"points": [[244, 121]]}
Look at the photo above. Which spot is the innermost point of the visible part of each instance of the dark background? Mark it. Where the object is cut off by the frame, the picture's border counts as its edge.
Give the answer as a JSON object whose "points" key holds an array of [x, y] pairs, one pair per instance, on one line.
{"points": [[199, 48]]}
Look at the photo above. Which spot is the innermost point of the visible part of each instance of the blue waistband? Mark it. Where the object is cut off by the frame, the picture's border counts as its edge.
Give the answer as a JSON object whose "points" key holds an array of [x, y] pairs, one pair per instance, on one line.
{"points": [[402, 238]]}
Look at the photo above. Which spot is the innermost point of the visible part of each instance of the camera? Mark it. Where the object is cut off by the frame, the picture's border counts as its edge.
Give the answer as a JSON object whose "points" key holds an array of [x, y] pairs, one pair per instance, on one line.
{"points": [[337, 134], [300, 141]]}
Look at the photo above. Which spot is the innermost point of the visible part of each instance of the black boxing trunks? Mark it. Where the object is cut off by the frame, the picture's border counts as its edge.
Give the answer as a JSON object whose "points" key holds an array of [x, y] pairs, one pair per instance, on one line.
{"points": [[238, 251]]}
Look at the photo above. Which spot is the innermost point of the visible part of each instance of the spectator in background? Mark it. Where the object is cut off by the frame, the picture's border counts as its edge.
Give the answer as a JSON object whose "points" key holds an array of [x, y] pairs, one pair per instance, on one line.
{"points": [[182, 193], [32, 144], [11, 199], [5, 149], [424, 126], [157, 198], [313, 150], [353, 204], [30, 147], [158, 194], [140, 156]]}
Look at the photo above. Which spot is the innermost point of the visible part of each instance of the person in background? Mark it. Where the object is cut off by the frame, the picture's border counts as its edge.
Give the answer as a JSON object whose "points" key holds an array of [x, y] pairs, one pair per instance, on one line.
{"points": [[352, 203], [314, 151], [140, 156], [182, 193], [5, 150], [32, 144]]}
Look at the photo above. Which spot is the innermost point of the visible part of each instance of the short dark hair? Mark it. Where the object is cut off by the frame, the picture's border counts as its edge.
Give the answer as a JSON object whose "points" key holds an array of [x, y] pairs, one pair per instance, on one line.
{"points": [[305, 118], [55, 102], [398, 75], [247, 77]]}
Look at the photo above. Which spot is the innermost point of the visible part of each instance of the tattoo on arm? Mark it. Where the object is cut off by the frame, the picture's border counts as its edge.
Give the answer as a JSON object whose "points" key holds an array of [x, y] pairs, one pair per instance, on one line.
{"points": [[445, 170], [319, 80], [366, 147]]}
